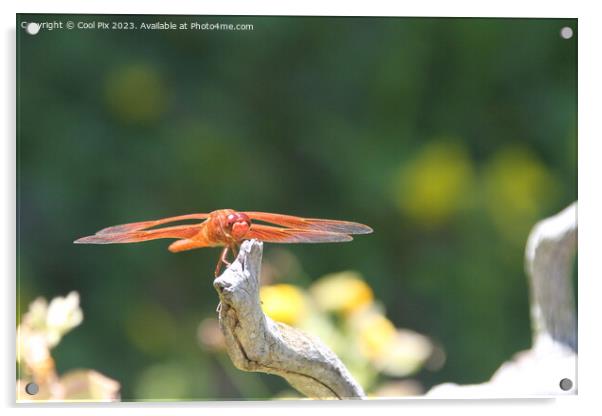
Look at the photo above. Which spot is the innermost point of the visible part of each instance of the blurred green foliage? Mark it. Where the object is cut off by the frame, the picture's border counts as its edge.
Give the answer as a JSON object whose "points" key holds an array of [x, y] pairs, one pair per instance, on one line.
{"points": [[450, 137]]}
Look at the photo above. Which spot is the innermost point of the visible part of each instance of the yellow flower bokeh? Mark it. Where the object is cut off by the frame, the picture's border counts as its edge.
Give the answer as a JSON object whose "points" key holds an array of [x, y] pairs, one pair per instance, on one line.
{"points": [[376, 333], [517, 185], [343, 292], [136, 93], [341, 309], [434, 185], [393, 351], [284, 303]]}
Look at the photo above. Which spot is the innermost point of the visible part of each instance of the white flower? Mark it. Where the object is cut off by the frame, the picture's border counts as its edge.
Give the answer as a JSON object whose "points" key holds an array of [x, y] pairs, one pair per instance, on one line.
{"points": [[35, 318], [63, 315], [32, 347]]}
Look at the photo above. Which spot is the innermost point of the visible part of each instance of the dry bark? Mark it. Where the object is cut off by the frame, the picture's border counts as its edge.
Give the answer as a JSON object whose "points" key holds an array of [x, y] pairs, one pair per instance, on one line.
{"points": [[257, 343]]}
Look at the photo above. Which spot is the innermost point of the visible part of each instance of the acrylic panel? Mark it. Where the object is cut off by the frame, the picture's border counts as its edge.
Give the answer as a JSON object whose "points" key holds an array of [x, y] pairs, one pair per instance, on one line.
{"points": [[265, 208]]}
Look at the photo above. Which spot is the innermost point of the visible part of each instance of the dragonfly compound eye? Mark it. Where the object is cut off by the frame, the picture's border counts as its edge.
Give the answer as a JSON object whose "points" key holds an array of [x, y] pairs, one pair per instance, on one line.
{"points": [[240, 229]]}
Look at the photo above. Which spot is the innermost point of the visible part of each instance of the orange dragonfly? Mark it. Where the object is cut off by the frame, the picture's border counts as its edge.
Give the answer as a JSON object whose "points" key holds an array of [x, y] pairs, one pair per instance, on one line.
{"points": [[228, 228]]}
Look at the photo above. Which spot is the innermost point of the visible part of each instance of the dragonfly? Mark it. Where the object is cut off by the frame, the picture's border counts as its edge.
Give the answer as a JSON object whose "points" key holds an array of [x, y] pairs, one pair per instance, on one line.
{"points": [[228, 228]]}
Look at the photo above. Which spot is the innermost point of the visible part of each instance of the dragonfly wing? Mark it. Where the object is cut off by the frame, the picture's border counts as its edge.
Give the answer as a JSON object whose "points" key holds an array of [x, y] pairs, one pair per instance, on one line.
{"points": [[299, 223], [178, 231], [271, 234], [142, 225]]}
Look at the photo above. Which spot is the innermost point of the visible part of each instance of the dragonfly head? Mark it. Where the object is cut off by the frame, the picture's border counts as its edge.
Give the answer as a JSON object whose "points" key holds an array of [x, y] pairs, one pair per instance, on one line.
{"points": [[239, 224]]}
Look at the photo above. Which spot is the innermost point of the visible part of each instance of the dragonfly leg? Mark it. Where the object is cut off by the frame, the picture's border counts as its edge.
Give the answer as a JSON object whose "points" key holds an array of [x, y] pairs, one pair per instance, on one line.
{"points": [[234, 250], [223, 258]]}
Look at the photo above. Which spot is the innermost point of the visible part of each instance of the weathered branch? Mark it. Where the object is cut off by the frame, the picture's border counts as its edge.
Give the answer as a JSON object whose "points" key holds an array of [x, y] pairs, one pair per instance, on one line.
{"points": [[549, 261], [549, 258], [257, 343]]}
